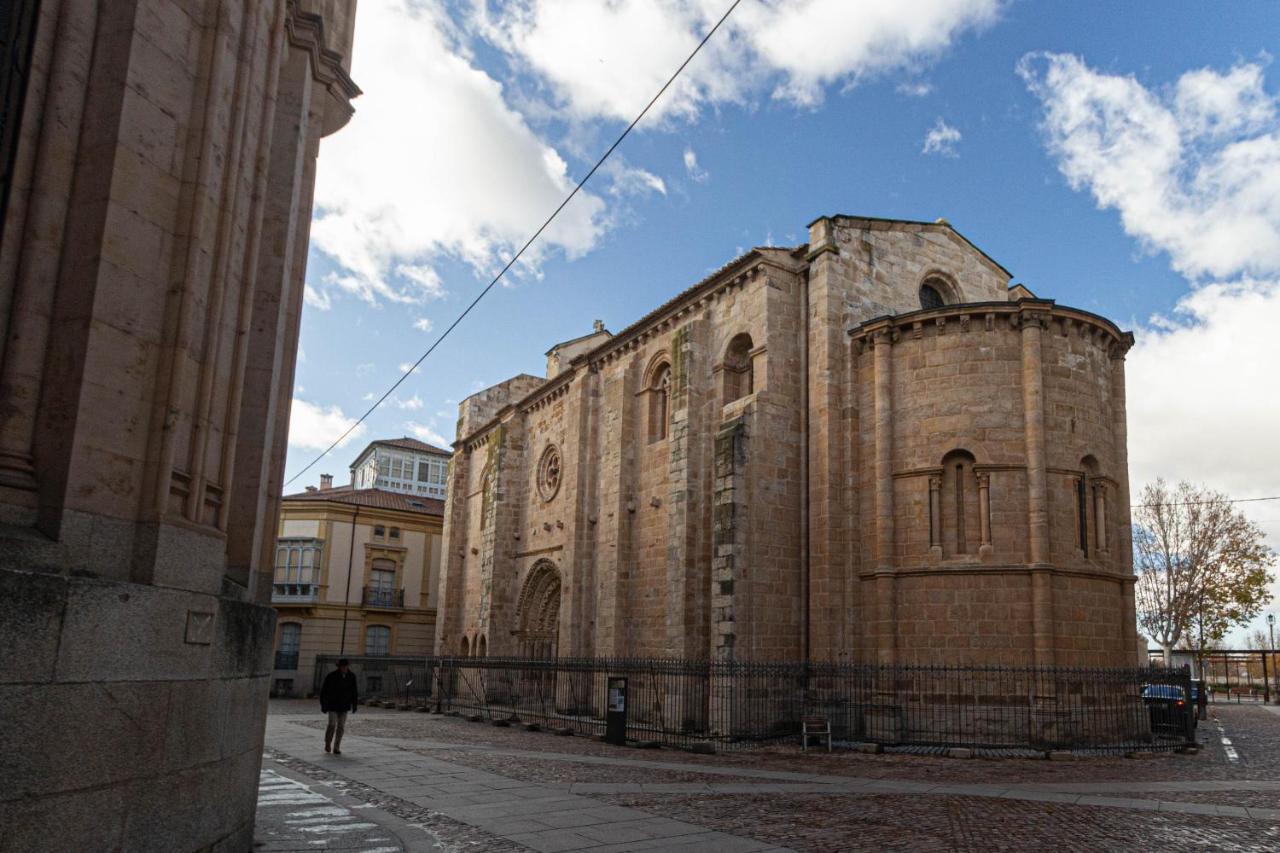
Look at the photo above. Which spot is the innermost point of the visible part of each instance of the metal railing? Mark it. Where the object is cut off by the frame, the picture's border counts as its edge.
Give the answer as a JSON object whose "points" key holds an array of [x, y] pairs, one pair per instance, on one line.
{"points": [[381, 597], [286, 660], [404, 679], [681, 702]]}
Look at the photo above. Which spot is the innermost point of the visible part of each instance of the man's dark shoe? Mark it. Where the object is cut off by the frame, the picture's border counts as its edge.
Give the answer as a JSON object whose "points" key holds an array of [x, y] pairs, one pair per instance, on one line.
{"points": [[337, 751], [326, 747]]}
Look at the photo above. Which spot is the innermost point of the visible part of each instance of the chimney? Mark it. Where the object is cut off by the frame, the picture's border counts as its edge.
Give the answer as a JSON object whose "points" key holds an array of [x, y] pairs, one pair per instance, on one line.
{"points": [[311, 490], [598, 325], [326, 482]]}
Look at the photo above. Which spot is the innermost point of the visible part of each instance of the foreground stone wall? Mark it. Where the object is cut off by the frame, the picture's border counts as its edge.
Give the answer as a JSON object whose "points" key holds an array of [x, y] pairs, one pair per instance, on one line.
{"points": [[151, 271]]}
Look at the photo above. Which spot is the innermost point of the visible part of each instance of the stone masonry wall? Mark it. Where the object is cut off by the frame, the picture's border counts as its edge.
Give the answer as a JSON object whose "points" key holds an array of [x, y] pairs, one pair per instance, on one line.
{"points": [[877, 483]]}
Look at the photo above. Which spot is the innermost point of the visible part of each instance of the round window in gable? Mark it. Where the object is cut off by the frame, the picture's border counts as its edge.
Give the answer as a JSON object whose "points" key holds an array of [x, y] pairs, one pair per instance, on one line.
{"points": [[549, 473]]}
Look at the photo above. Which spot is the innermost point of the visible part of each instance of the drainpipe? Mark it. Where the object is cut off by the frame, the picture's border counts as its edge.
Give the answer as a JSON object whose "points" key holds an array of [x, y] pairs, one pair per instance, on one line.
{"points": [[346, 598]]}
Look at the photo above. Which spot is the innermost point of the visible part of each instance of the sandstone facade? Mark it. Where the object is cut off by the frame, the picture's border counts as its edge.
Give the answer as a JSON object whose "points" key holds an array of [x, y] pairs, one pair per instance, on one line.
{"points": [[356, 573], [868, 448], [159, 160]]}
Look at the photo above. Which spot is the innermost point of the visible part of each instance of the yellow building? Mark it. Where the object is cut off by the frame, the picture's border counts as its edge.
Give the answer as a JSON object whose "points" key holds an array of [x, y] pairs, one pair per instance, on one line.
{"points": [[385, 607]]}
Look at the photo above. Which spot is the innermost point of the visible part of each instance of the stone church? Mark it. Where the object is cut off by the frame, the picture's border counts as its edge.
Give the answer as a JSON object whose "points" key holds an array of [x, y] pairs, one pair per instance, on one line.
{"points": [[870, 448]]}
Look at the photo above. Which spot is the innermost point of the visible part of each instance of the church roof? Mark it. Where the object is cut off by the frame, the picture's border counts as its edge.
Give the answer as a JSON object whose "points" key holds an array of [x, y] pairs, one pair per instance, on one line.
{"points": [[877, 223]]}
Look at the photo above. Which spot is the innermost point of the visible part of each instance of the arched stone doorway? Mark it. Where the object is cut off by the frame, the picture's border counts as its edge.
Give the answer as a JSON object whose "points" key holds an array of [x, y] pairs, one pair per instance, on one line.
{"points": [[538, 612]]}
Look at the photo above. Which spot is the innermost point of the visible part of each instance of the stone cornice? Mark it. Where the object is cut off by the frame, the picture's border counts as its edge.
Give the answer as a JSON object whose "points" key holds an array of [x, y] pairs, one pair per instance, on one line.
{"points": [[963, 317], [666, 317], [966, 567], [306, 31]]}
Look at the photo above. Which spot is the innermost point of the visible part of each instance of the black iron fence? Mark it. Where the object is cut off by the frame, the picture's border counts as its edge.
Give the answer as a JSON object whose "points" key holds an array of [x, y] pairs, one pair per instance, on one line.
{"points": [[683, 702], [401, 679]]}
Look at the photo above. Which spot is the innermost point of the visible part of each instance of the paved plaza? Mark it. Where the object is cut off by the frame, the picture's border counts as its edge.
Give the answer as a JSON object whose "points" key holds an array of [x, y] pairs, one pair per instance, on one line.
{"points": [[421, 782]]}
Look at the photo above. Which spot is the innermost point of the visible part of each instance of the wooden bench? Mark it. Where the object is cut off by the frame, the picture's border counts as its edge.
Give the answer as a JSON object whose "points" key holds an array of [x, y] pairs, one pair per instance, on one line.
{"points": [[814, 727]]}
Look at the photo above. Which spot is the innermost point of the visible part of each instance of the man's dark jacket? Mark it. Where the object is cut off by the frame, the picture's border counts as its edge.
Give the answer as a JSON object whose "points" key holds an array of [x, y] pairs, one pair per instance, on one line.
{"points": [[339, 692]]}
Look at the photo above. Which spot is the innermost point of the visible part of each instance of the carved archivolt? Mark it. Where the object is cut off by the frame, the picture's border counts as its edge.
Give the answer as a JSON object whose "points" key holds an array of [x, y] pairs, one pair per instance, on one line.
{"points": [[538, 611]]}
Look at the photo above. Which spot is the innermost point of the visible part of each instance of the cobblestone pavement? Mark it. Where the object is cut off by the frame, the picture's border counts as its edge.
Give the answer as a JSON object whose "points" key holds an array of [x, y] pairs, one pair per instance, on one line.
{"points": [[780, 799]]}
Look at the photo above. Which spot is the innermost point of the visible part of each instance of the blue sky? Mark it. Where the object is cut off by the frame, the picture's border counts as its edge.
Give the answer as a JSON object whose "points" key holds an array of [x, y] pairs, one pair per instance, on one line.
{"points": [[1122, 158]]}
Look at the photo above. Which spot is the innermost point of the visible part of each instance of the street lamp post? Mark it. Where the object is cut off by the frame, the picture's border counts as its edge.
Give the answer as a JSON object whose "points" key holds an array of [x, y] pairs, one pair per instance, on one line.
{"points": [[1271, 628]]}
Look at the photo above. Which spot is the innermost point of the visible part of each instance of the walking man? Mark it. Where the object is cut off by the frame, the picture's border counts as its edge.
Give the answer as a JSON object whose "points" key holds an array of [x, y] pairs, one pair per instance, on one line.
{"points": [[338, 696]]}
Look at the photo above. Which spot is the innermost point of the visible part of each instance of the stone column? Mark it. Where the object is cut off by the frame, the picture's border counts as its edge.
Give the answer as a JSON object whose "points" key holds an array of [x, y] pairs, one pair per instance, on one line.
{"points": [[984, 514], [1037, 487], [1100, 516], [822, 328], [935, 516], [882, 341], [1124, 543]]}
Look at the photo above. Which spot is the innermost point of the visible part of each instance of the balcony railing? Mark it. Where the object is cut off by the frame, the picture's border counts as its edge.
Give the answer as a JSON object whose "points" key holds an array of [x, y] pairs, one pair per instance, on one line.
{"points": [[294, 593], [286, 660], [382, 597]]}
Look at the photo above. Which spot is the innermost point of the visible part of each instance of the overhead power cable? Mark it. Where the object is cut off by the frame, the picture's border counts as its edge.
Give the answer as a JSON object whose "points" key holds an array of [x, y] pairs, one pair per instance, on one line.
{"points": [[523, 248], [1202, 503]]}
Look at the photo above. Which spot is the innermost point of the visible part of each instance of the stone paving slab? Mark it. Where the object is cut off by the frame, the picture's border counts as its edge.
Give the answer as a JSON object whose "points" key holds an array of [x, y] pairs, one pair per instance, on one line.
{"points": [[570, 816], [502, 806]]}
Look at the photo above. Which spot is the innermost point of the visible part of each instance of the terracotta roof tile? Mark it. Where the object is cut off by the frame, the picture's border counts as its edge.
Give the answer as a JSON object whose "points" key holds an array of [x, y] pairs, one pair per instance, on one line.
{"points": [[380, 498]]}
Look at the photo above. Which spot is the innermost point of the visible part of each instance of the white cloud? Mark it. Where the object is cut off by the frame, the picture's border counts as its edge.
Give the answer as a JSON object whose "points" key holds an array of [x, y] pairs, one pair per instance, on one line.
{"points": [[434, 163], [412, 404], [605, 60], [313, 426], [441, 160], [316, 299], [1194, 172], [692, 168], [406, 366], [941, 139], [422, 324], [916, 89], [1198, 399], [428, 433], [426, 278], [819, 42], [632, 180]]}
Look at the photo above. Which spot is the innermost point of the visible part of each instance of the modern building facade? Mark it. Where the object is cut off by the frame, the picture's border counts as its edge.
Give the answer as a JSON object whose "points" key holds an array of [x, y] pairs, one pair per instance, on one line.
{"points": [[355, 573], [155, 205], [868, 448], [402, 465]]}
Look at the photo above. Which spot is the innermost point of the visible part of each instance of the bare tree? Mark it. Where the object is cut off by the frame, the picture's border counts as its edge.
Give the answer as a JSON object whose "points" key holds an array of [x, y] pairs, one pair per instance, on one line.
{"points": [[1257, 639], [1202, 566]]}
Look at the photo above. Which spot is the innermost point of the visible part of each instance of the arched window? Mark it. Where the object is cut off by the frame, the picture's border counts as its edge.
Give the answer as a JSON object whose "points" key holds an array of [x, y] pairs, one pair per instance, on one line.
{"points": [[738, 378], [959, 510], [1091, 509], [290, 642], [377, 641], [464, 649], [931, 294], [482, 647], [659, 396], [486, 483]]}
